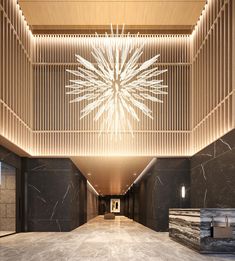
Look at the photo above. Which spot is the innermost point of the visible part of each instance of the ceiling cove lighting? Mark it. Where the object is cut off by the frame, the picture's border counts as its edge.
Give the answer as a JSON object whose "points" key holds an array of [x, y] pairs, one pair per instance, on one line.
{"points": [[147, 168], [92, 188], [116, 87]]}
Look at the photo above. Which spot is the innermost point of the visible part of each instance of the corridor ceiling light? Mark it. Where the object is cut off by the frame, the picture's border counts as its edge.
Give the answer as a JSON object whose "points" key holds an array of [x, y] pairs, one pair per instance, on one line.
{"points": [[117, 85]]}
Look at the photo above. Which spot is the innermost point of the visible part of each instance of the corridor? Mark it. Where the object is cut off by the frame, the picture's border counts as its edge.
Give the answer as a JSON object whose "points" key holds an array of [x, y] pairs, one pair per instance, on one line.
{"points": [[99, 239]]}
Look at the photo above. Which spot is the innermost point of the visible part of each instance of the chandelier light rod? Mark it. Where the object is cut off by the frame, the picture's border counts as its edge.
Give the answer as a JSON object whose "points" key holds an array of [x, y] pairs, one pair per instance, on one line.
{"points": [[116, 86]]}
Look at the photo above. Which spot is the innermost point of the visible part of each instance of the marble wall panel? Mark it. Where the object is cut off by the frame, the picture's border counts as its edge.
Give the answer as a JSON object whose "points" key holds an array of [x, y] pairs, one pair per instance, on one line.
{"points": [[92, 203], [213, 174], [160, 189], [56, 195], [10, 158]]}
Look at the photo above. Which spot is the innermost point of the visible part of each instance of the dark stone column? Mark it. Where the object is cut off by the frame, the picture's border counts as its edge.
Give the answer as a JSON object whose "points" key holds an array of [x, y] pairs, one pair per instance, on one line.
{"points": [[56, 194], [160, 189], [212, 174]]}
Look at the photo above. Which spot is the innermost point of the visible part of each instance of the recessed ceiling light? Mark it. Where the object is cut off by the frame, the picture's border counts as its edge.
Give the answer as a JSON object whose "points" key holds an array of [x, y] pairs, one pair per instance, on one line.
{"points": [[89, 174], [96, 185], [134, 174]]}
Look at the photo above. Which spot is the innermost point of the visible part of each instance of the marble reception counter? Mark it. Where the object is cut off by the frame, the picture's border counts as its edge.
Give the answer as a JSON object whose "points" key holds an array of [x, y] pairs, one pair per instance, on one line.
{"points": [[192, 227]]}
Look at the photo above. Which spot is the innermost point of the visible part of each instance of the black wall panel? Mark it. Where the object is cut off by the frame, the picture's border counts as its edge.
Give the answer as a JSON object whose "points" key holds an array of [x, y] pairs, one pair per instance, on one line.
{"points": [[158, 190], [213, 174], [56, 195]]}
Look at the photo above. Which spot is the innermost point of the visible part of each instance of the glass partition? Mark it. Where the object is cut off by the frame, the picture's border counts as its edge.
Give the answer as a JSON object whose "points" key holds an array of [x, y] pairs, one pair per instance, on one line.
{"points": [[7, 199]]}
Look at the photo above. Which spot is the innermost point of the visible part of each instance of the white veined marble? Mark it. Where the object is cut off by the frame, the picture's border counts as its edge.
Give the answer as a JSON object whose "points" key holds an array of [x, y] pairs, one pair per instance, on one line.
{"points": [[99, 239]]}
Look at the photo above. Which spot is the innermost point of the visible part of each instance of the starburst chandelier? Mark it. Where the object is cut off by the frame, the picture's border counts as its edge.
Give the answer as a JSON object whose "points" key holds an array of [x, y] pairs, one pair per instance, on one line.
{"points": [[116, 86]]}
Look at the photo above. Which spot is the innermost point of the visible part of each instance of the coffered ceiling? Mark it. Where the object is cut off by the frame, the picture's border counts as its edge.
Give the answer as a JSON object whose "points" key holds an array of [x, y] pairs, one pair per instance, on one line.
{"points": [[111, 175], [97, 14]]}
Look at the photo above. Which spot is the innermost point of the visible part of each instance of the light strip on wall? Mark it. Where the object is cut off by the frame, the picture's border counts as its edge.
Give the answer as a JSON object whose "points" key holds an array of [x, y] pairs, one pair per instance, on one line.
{"points": [[145, 170], [89, 184]]}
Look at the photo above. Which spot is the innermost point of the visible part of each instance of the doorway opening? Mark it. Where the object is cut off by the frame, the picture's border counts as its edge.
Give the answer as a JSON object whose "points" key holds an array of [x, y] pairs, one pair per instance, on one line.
{"points": [[7, 199]]}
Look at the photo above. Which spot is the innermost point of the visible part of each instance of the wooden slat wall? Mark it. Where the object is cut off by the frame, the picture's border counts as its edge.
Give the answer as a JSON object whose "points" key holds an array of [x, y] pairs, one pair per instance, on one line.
{"points": [[35, 113], [15, 76], [57, 128], [213, 73]]}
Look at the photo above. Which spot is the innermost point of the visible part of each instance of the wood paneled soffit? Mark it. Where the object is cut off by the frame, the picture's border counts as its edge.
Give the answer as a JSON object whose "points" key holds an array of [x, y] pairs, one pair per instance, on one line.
{"points": [[75, 16]]}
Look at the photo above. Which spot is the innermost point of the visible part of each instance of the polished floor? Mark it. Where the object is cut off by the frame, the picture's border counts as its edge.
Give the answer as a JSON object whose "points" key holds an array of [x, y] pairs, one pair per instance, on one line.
{"points": [[99, 239]]}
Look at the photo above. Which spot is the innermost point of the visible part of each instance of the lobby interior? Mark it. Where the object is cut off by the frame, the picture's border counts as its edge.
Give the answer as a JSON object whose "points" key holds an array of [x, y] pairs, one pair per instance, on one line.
{"points": [[117, 130]]}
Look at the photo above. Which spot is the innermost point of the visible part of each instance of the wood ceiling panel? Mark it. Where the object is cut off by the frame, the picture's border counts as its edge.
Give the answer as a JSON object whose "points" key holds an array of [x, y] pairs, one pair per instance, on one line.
{"points": [[111, 175], [95, 13]]}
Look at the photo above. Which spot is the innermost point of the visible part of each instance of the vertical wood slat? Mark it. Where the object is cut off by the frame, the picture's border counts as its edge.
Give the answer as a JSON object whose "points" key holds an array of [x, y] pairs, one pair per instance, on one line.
{"points": [[171, 124], [232, 28], [212, 93], [211, 99], [15, 98]]}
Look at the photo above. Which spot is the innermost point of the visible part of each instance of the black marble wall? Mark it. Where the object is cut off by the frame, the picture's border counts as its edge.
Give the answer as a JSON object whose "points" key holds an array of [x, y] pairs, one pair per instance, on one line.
{"points": [[104, 204], [56, 195], [160, 189], [129, 203], [92, 203], [213, 175], [10, 158]]}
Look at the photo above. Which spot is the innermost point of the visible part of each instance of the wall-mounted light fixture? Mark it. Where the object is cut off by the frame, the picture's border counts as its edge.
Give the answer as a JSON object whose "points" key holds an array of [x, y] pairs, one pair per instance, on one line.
{"points": [[183, 192]]}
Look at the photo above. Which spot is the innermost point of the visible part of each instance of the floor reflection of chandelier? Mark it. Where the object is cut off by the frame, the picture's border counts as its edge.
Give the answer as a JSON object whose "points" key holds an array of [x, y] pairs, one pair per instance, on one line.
{"points": [[118, 85]]}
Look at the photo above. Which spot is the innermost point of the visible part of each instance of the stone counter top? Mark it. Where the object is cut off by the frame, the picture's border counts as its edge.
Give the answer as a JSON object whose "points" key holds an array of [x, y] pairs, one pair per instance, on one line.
{"points": [[191, 227]]}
